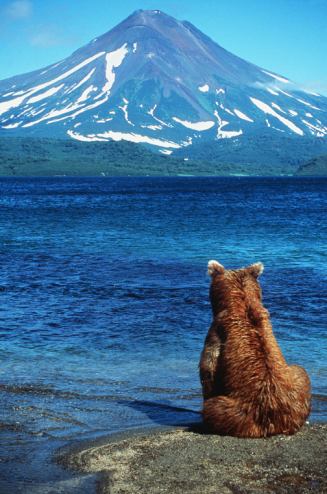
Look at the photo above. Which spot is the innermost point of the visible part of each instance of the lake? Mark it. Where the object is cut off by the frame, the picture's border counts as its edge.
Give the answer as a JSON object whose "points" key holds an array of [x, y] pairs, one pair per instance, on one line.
{"points": [[104, 302]]}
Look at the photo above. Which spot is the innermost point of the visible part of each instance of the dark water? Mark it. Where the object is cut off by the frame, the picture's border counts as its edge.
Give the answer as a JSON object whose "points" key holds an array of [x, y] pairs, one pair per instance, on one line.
{"points": [[104, 302]]}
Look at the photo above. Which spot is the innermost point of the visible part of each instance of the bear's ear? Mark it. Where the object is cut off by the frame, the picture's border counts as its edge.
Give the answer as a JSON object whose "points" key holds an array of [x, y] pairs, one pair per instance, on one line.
{"points": [[214, 267], [256, 269]]}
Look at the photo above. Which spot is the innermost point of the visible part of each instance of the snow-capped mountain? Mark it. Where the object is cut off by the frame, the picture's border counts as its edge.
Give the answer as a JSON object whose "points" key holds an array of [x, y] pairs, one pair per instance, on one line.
{"points": [[158, 81]]}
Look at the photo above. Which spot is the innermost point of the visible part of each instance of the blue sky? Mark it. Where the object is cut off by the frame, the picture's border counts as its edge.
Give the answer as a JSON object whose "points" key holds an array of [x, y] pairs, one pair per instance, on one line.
{"points": [[285, 36]]}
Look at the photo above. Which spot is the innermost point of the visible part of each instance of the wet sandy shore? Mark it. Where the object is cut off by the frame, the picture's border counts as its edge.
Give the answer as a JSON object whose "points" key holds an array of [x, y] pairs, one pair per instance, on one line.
{"points": [[183, 461]]}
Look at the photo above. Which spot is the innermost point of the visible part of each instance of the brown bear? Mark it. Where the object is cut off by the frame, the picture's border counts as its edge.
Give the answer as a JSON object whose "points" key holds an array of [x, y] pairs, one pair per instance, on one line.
{"points": [[248, 388]]}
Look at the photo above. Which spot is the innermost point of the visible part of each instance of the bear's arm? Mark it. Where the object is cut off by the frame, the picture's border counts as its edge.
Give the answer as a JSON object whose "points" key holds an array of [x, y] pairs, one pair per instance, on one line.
{"points": [[209, 362]]}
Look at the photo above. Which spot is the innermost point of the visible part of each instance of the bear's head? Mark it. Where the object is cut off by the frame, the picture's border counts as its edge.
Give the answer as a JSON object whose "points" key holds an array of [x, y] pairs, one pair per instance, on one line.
{"points": [[240, 285]]}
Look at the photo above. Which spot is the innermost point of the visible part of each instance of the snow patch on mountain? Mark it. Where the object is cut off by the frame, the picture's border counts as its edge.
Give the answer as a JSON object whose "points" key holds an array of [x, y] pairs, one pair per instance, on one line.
{"points": [[69, 109], [11, 126], [45, 95], [225, 134], [152, 127], [242, 115], [80, 83], [227, 110], [151, 112], [300, 100], [274, 105], [307, 104], [82, 138], [267, 109], [199, 126], [125, 111], [277, 77], [113, 60], [101, 120], [204, 89], [86, 94], [66, 74], [317, 130], [272, 91], [124, 136], [7, 105]]}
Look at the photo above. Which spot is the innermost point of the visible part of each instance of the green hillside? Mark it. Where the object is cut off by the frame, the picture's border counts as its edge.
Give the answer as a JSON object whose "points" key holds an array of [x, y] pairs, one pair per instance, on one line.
{"points": [[28, 156], [22, 156], [51, 157], [263, 153], [315, 167]]}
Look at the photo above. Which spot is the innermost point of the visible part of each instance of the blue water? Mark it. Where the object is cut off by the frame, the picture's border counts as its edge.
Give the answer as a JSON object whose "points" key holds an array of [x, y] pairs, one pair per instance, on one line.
{"points": [[104, 302]]}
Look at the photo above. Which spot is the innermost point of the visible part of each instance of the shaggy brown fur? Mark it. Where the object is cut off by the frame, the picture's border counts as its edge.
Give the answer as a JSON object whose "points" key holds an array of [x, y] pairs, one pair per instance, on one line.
{"points": [[248, 388]]}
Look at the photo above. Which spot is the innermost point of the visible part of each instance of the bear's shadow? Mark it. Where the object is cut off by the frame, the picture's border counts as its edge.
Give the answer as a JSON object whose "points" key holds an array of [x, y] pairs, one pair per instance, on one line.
{"points": [[167, 415]]}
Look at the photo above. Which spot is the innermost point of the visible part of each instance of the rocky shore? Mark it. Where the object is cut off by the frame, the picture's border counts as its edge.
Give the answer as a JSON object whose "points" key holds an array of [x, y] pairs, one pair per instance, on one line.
{"points": [[185, 461]]}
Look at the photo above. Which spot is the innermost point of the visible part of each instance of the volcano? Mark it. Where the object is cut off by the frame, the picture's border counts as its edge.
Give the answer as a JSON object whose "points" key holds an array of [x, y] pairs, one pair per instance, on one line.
{"points": [[161, 82]]}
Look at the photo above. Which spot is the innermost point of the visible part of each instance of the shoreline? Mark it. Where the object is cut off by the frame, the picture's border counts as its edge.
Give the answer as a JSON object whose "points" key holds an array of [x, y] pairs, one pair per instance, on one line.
{"points": [[184, 460]]}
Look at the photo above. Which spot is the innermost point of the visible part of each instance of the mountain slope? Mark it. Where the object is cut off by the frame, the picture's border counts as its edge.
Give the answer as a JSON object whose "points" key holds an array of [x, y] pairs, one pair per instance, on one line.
{"points": [[161, 82], [315, 167]]}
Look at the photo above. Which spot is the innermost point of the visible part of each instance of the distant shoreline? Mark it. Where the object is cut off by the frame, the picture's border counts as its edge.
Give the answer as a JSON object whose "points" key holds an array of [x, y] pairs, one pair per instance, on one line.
{"points": [[178, 176], [184, 461]]}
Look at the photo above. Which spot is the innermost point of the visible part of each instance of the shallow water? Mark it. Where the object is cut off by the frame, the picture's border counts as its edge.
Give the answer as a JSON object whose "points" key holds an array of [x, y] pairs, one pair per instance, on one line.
{"points": [[104, 302]]}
